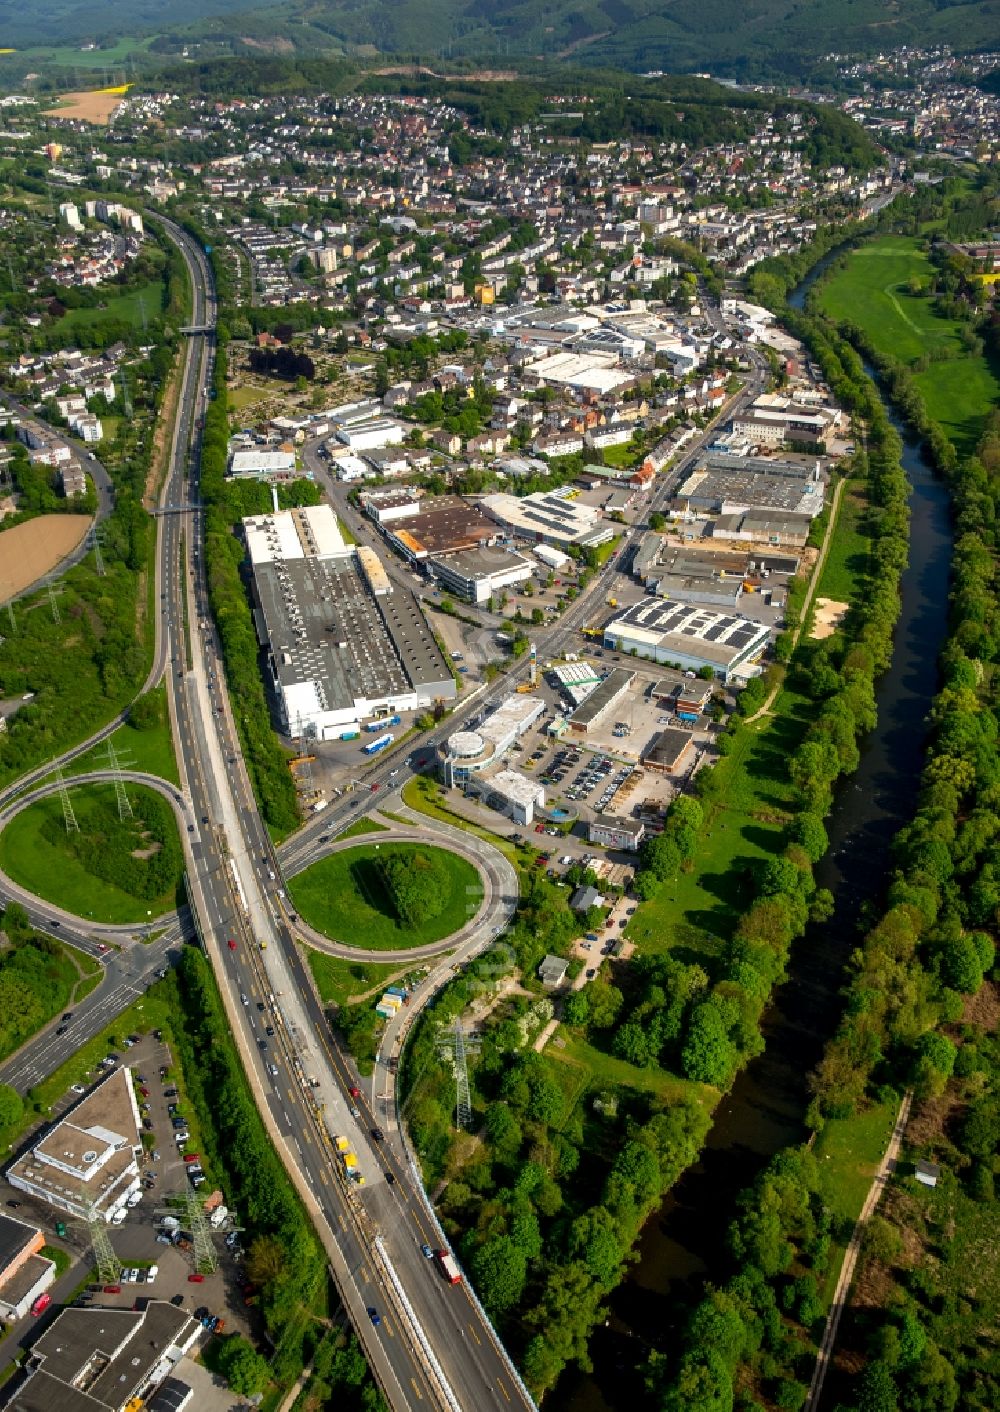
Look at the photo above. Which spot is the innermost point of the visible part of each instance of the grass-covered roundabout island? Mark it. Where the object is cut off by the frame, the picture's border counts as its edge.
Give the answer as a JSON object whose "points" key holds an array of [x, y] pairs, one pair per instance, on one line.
{"points": [[383, 896], [108, 870]]}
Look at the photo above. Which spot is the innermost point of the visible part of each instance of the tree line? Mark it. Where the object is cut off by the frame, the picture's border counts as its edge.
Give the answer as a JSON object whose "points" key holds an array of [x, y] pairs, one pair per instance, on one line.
{"points": [[266, 760]]}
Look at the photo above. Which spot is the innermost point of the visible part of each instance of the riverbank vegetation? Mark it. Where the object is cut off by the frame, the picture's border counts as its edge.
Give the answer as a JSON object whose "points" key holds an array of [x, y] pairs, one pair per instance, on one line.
{"points": [[918, 1016]]}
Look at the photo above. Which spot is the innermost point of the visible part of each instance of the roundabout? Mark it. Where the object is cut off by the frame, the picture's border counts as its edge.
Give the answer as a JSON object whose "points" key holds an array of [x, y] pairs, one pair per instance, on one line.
{"points": [[389, 894]]}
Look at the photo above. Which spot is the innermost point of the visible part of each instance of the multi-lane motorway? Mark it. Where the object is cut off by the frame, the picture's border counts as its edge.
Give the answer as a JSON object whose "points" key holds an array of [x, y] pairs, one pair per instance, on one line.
{"points": [[432, 1345]]}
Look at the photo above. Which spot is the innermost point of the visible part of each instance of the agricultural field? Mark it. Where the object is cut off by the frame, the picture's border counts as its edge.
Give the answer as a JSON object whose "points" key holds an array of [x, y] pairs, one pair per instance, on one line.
{"points": [[34, 548], [96, 106], [345, 896]]}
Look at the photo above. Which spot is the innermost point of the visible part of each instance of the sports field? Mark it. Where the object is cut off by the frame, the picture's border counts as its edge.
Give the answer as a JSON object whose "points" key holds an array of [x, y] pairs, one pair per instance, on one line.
{"points": [[344, 897]]}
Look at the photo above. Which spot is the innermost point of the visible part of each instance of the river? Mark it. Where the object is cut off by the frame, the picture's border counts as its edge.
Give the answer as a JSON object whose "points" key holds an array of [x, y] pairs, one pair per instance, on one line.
{"points": [[682, 1244]]}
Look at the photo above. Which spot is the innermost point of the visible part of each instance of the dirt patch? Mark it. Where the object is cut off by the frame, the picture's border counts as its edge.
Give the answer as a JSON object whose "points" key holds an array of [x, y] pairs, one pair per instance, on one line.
{"points": [[983, 1009], [269, 46], [871, 1289], [30, 550], [827, 618], [93, 107], [476, 76], [928, 1121], [162, 437]]}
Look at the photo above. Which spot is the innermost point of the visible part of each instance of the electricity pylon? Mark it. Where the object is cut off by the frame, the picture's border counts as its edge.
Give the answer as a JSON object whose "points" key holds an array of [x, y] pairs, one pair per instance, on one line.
{"points": [[458, 1043], [69, 816]]}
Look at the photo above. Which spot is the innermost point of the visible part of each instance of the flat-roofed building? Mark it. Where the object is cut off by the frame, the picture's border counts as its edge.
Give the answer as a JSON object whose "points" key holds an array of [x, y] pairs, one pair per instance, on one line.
{"points": [[102, 1360], [396, 502], [727, 485], [470, 751], [340, 650], [623, 834], [312, 532], [774, 527], [598, 702], [550, 518], [444, 524], [671, 752], [477, 574], [262, 465], [24, 1272], [342, 641], [511, 793], [88, 1162], [679, 635]]}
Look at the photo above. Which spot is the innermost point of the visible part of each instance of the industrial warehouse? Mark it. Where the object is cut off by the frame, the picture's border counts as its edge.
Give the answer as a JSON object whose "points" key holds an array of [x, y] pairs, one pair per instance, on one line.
{"points": [[342, 641], [680, 635], [730, 485]]}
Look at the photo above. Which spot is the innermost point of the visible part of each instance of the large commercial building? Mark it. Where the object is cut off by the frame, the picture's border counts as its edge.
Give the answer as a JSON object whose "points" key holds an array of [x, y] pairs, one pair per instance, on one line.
{"points": [[104, 1360], [440, 524], [478, 574], [88, 1162], [729, 485], [262, 465], [342, 641], [679, 635], [550, 518], [471, 751]]}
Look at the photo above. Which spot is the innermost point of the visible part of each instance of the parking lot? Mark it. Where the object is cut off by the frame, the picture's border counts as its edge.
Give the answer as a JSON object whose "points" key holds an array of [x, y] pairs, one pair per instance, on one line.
{"points": [[154, 1265]]}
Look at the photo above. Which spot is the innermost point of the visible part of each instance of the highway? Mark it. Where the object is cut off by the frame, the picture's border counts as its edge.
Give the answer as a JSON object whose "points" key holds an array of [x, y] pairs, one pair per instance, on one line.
{"points": [[433, 1345]]}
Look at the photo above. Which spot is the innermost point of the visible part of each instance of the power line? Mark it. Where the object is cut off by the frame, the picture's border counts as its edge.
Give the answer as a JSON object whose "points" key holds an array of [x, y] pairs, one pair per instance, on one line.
{"points": [[458, 1043]]}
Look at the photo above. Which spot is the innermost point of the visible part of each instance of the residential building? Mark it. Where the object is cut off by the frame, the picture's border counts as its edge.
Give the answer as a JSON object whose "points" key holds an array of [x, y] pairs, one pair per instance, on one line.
{"points": [[552, 971]]}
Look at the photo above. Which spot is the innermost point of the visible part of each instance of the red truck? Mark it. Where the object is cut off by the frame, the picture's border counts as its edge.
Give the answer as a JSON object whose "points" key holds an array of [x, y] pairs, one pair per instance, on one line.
{"points": [[448, 1267]]}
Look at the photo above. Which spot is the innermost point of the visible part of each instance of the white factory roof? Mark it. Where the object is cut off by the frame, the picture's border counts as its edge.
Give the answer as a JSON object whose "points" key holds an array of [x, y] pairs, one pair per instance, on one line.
{"points": [[546, 513], [249, 463], [598, 371], [309, 533]]}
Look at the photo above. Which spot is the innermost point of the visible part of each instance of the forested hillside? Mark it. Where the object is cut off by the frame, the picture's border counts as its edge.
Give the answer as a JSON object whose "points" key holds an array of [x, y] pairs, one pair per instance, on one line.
{"points": [[739, 38]]}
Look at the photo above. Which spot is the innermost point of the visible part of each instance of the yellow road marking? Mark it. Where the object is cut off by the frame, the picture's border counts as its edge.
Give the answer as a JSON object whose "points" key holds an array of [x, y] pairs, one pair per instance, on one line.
{"points": [[472, 1331], [503, 1389], [413, 1384]]}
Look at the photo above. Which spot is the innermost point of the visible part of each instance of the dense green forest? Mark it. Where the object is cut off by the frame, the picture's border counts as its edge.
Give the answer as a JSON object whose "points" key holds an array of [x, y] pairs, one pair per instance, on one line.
{"points": [[766, 39]]}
